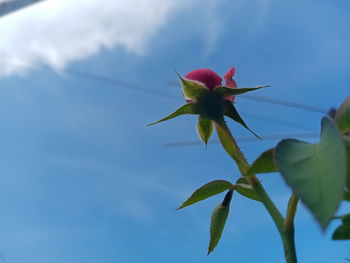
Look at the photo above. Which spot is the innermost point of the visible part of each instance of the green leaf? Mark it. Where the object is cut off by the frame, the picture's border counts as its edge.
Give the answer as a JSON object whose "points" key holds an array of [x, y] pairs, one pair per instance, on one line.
{"points": [[218, 220], [347, 147], [264, 164], [205, 128], [346, 219], [193, 90], [189, 108], [223, 91], [230, 145], [315, 172], [342, 117], [230, 111], [207, 190], [244, 188], [342, 232], [347, 196]]}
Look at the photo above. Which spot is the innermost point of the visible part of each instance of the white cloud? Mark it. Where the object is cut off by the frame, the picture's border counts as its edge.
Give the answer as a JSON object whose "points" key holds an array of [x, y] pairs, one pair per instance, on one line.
{"points": [[56, 32], [214, 28]]}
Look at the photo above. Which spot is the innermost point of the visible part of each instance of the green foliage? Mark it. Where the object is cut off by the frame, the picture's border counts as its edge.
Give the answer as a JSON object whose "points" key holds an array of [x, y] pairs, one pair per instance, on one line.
{"points": [[207, 190], [347, 195], [205, 128], [189, 108], [315, 172], [347, 146], [244, 188], [346, 219], [343, 231], [226, 92], [342, 117], [218, 221], [230, 111], [192, 89], [264, 164]]}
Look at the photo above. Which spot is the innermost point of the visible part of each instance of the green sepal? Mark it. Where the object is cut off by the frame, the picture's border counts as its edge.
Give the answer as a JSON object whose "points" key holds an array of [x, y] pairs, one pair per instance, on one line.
{"points": [[211, 106], [192, 90], [223, 91], [207, 190], [343, 231], [264, 164], [230, 111], [205, 128], [189, 108], [244, 188], [315, 172], [218, 221], [342, 117], [229, 144]]}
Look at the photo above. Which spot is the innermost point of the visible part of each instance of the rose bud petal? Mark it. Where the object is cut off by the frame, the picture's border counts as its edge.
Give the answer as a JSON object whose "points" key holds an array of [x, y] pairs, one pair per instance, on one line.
{"points": [[229, 82], [206, 76]]}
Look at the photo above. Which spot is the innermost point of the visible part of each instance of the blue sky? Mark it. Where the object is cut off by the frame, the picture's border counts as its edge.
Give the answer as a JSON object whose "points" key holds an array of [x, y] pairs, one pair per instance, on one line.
{"points": [[84, 180]]}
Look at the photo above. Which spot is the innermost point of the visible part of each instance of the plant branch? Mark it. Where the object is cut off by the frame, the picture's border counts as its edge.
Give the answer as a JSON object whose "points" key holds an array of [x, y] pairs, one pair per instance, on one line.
{"points": [[287, 234], [267, 202], [288, 231], [292, 208]]}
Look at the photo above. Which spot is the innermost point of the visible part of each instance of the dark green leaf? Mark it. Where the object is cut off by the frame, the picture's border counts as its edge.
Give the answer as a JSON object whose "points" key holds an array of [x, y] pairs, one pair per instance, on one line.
{"points": [[342, 232], [342, 117], [189, 108], [230, 111], [218, 220], [207, 190], [230, 145], [193, 90], [223, 91], [347, 147], [205, 128], [264, 164], [315, 172], [346, 219], [347, 195], [244, 188]]}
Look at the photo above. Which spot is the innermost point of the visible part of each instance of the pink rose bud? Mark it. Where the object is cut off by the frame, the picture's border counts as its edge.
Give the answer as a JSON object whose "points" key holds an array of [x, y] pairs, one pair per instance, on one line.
{"points": [[210, 79], [229, 82], [205, 76]]}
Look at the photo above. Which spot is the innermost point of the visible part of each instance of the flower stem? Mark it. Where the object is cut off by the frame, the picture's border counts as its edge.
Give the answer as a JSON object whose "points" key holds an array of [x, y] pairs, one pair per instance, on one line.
{"points": [[267, 202], [288, 230], [292, 209], [284, 226]]}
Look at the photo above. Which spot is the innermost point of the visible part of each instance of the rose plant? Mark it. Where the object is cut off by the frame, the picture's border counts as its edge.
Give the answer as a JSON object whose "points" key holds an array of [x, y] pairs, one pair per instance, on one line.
{"points": [[318, 174]]}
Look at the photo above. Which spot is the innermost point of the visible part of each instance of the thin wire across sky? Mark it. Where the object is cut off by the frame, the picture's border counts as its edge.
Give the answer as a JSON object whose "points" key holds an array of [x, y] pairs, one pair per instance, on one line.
{"points": [[260, 98]]}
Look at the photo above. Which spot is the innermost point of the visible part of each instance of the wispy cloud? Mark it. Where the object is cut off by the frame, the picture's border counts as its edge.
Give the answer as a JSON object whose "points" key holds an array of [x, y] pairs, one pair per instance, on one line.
{"points": [[57, 32], [210, 26]]}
